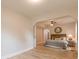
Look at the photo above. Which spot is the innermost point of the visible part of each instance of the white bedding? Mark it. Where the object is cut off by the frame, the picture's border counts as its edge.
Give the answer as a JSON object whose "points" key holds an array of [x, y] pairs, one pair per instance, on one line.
{"points": [[57, 43]]}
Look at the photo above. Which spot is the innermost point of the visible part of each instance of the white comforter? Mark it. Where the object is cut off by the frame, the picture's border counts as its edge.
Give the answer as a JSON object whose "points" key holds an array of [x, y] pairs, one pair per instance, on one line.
{"points": [[57, 43]]}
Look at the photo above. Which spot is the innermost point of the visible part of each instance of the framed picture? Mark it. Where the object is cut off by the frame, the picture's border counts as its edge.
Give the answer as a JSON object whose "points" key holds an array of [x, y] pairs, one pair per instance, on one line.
{"points": [[58, 30]]}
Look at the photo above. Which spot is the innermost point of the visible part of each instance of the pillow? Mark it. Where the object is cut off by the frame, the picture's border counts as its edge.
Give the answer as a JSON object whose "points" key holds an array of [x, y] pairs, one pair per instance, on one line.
{"points": [[57, 38], [63, 38]]}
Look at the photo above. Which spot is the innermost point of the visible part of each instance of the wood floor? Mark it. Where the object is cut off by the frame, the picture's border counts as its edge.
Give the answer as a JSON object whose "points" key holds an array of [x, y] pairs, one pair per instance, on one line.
{"points": [[42, 52]]}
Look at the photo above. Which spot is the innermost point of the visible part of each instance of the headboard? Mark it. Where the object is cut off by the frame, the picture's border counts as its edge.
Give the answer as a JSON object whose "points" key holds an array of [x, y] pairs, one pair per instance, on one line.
{"points": [[53, 36]]}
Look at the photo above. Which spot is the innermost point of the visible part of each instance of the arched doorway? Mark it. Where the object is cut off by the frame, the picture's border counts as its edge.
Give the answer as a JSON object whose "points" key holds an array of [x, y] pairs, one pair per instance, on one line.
{"points": [[41, 34]]}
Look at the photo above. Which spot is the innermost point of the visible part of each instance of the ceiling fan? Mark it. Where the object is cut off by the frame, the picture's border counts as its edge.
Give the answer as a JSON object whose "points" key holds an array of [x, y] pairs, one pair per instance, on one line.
{"points": [[52, 22]]}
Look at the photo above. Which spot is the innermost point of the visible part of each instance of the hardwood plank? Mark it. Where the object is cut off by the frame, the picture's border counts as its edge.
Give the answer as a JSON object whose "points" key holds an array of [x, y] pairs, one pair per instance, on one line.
{"points": [[42, 52]]}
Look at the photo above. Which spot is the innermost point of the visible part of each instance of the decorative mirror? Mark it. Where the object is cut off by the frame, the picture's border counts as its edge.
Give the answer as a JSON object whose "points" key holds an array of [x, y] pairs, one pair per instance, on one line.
{"points": [[58, 30]]}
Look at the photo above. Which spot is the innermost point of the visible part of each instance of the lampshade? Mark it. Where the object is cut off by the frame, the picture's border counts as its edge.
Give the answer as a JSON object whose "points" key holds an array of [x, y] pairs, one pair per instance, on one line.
{"points": [[70, 36]]}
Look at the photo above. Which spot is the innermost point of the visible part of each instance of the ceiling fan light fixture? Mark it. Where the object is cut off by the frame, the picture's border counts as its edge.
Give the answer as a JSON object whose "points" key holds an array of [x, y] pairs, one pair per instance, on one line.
{"points": [[51, 24]]}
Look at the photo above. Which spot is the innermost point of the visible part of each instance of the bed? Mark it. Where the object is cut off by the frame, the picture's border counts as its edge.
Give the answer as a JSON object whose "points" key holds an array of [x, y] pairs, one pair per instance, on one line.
{"points": [[57, 43], [57, 40]]}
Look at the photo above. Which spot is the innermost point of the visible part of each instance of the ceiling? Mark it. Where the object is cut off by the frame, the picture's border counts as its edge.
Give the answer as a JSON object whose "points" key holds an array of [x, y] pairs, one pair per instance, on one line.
{"points": [[47, 8], [64, 20]]}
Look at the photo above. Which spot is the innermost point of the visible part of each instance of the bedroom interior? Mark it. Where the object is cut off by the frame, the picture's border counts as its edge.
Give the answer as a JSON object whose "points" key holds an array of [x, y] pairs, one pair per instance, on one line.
{"points": [[39, 29], [60, 34]]}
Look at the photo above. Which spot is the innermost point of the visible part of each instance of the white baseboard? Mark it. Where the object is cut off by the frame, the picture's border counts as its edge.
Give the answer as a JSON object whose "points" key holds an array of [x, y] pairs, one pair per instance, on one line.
{"points": [[17, 53]]}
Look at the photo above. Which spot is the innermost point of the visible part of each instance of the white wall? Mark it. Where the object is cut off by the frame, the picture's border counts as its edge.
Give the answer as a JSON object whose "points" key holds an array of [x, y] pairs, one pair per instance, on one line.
{"points": [[16, 33], [76, 31]]}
